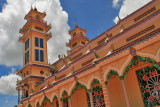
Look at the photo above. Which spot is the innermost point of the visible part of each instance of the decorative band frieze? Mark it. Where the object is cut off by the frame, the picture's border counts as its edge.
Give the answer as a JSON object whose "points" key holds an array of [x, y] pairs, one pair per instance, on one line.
{"points": [[144, 14], [131, 44], [140, 33]]}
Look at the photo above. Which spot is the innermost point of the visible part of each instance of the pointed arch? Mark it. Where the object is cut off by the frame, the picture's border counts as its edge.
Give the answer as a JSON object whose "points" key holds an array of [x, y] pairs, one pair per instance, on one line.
{"points": [[62, 91], [139, 59], [125, 64], [52, 96], [29, 105], [65, 98], [45, 99], [110, 74], [55, 98], [97, 93], [108, 70], [77, 85], [91, 80], [70, 90], [37, 104]]}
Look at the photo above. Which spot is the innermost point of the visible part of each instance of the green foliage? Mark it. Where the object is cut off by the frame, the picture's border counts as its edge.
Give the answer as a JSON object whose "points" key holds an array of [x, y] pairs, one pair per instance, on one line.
{"points": [[55, 98], [111, 73], [95, 81], [29, 105], [144, 90], [139, 59], [46, 74], [83, 86], [45, 99], [96, 55], [64, 99], [37, 104]]}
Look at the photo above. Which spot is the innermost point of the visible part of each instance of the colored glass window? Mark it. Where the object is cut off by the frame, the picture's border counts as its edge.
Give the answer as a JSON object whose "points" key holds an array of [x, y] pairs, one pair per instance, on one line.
{"points": [[36, 55], [41, 43], [41, 56], [36, 42], [26, 44], [26, 57]]}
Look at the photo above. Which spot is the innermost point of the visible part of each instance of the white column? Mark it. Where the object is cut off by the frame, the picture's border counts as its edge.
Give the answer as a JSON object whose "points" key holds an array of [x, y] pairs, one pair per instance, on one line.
{"points": [[91, 98], [69, 101], [18, 95], [125, 92]]}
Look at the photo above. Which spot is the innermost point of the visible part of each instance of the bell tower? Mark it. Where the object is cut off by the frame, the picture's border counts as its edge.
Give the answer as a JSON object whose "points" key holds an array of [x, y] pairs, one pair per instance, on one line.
{"points": [[35, 58], [78, 39]]}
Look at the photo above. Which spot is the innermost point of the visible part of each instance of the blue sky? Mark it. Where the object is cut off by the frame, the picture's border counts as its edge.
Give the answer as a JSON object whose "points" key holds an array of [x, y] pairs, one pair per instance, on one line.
{"points": [[95, 15]]}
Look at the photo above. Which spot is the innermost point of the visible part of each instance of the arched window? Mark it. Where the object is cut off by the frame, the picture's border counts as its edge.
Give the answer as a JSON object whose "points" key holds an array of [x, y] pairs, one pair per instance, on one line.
{"points": [[37, 17], [74, 34], [26, 94]]}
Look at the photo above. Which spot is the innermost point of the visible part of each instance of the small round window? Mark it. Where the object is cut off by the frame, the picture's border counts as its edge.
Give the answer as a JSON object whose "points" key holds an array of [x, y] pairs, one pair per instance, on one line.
{"points": [[41, 72]]}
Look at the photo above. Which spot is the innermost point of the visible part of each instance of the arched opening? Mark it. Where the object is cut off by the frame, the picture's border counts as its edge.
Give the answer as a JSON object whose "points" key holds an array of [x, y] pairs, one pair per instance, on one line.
{"points": [[46, 102], [117, 97], [80, 96], [55, 101], [38, 105], [97, 93], [29, 105], [141, 80], [26, 94], [65, 99]]}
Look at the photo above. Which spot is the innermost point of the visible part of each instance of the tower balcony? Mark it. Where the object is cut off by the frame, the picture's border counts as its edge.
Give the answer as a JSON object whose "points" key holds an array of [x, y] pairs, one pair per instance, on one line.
{"points": [[78, 36], [38, 20]]}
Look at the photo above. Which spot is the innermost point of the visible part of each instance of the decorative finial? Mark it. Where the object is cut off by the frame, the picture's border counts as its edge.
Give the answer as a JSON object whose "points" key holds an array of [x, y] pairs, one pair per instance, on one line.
{"points": [[119, 19], [76, 26]]}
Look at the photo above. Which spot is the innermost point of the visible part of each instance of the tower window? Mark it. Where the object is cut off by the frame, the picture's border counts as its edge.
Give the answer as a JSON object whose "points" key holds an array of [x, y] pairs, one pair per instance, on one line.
{"points": [[41, 43], [38, 28], [26, 57], [26, 44], [37, 17], [74, 34], [81, 33], [83, 43], [36, 42], [74, 44], [41, 56], [36, 55]]}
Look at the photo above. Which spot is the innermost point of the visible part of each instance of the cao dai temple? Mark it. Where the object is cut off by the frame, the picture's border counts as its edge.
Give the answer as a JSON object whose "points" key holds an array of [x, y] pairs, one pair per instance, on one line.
{"points": [[118, 68]]}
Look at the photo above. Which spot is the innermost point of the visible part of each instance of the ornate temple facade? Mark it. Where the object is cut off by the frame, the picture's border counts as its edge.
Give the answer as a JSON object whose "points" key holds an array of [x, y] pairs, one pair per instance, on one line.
{"points": [[118, 68]]}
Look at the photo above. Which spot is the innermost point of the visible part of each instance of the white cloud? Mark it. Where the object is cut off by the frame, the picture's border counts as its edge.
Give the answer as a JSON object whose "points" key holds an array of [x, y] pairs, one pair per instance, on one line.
{"points": [[12, 19], [128, 7], [8, 84], [116, 3]]}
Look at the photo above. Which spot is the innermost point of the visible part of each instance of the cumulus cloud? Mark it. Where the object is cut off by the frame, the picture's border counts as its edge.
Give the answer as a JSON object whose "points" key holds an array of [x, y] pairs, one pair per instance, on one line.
{"points": [[12, 19], [128, 7], [8, 84], [116, 3]]}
